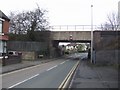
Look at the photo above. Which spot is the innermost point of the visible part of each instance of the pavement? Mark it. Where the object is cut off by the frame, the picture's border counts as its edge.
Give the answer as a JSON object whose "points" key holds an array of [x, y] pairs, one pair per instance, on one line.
{"points": [[92, 76], [23, 64]]}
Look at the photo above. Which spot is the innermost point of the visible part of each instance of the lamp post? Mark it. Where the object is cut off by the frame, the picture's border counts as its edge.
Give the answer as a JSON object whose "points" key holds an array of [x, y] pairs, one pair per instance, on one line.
{"points": [[91, 32]]}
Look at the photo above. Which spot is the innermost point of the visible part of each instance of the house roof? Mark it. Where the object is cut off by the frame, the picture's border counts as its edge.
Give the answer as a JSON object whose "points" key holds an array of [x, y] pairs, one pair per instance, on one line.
{"points": [[3, 16]]}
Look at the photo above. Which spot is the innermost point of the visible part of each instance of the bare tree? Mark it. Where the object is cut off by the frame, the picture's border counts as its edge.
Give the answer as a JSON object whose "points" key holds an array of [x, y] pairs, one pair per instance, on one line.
{"points": [[23, 22], [112, 23]]}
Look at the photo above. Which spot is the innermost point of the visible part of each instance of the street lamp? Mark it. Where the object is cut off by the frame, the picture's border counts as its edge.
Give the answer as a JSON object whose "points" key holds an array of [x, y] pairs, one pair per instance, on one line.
{"points": [[91, 32]]}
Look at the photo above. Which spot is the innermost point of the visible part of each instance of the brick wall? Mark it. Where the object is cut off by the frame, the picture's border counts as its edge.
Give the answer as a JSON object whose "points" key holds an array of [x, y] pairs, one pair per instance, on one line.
{"points": [[5, 30], [106, 45], [107, 56], [5, 27]]}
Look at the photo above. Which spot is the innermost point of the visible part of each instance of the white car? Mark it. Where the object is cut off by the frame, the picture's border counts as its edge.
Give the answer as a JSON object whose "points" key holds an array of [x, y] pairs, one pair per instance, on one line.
{"points": [[1, 57]]}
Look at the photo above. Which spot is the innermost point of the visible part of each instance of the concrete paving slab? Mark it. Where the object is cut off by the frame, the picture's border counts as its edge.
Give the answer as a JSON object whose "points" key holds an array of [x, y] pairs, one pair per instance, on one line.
{"points": [[95, 77]]}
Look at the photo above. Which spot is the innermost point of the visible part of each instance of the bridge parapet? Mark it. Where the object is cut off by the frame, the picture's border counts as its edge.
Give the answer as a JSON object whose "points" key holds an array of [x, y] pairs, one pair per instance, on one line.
{"points": [[76, 35], [74, 27]]}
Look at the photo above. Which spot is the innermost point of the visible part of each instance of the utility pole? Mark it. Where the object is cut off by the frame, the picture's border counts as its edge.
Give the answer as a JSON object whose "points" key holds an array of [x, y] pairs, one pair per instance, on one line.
{"points": [[91, 32]]}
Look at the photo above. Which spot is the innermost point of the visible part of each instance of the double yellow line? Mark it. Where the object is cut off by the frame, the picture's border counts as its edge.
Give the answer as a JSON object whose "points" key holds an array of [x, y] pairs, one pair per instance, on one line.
{"points": [[68, 78]]}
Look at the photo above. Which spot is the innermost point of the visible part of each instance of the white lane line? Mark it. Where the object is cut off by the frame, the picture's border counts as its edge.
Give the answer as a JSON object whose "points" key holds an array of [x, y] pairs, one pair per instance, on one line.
{"points": [[63, 62], [52, 67], [67, 60], [22, 81], [23, 69]]}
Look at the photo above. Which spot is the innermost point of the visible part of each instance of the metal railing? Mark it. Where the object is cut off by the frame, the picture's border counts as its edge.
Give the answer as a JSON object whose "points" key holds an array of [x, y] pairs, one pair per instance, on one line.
{"points": [[74, 27]]}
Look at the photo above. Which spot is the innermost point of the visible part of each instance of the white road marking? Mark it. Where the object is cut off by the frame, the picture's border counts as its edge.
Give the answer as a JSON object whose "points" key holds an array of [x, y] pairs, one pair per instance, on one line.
{"points": [[52, 67], [22, 81], [23, 69], [63, 62], [67, 60]]}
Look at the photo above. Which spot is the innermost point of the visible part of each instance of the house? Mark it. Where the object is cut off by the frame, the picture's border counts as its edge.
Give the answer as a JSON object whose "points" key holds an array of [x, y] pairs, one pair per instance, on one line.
{"points": [[4, 29]]}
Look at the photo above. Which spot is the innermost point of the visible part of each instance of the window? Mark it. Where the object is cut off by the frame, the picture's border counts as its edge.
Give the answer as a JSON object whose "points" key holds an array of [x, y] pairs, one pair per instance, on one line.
{"points": [[1, 46], [0, 26]]}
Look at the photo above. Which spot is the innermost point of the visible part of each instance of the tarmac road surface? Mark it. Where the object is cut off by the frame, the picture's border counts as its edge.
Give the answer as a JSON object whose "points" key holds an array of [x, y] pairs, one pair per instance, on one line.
{"points": [[48, 75]]}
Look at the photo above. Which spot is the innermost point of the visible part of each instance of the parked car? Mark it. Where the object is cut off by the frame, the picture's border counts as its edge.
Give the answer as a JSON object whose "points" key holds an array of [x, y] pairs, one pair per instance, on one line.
{"points": [[14, 53], [3, 56]]}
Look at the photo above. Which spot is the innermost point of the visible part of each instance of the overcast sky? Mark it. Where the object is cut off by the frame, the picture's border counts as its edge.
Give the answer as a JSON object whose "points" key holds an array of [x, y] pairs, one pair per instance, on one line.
{"points": [[65, 12]]}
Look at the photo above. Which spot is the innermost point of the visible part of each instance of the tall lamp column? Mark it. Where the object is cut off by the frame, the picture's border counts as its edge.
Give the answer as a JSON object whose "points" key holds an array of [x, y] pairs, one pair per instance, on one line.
{"points": [[91, 32]]}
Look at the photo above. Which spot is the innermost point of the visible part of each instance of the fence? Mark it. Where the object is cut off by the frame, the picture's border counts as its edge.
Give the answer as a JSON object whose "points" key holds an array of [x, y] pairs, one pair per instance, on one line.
{"points": [[29, 50], [27, 46]]}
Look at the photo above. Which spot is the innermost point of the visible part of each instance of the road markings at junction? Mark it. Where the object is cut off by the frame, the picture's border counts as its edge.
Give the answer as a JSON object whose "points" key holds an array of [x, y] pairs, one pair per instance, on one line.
{"points": [[52, 67], [23, 81]]}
